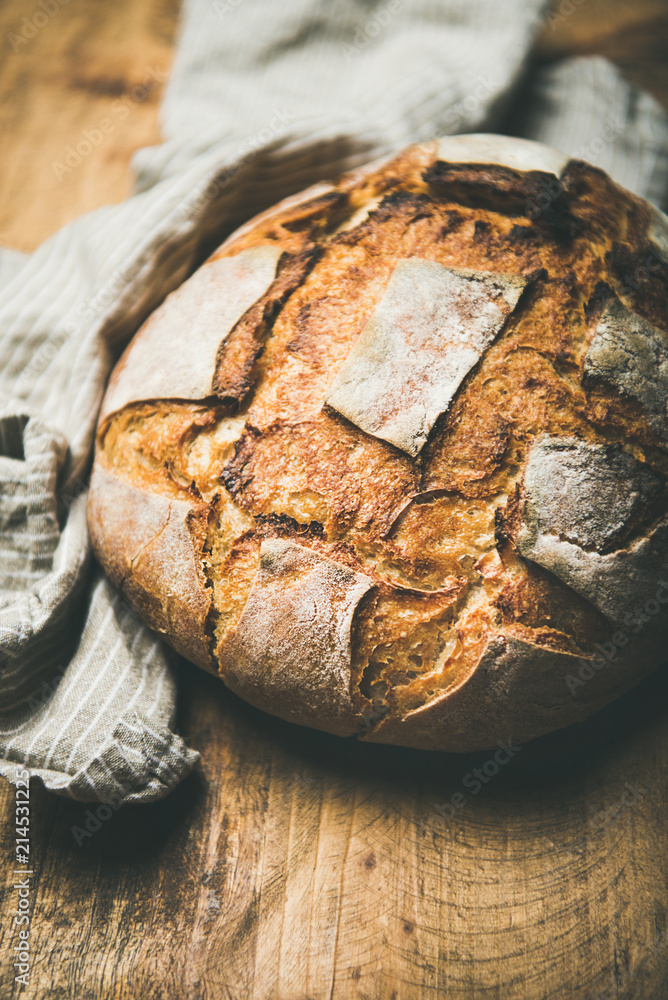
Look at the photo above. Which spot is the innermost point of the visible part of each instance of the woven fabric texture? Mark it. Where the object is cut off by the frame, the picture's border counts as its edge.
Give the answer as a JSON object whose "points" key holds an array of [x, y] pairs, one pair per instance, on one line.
{"points": [[264, 99]]}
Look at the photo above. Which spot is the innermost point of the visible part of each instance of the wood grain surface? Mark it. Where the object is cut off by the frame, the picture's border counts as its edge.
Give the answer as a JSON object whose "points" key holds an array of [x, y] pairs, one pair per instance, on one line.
{"points": [[293, 865], [61, 75]]}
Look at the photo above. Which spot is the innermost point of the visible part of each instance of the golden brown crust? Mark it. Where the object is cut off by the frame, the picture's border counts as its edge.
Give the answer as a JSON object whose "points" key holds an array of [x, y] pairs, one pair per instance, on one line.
{"points": [[239, 352], [515, 692], [186, 330], [294, 635], [152, 548], [360, 479]]}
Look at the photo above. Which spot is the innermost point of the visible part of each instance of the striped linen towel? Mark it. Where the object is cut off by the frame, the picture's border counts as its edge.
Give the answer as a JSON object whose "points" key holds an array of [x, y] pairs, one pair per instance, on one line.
{"points": [[264, 99]]}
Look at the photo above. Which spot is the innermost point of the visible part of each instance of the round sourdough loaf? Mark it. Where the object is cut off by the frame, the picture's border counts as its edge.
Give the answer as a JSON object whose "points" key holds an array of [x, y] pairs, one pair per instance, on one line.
{"points": [[393, 461]]}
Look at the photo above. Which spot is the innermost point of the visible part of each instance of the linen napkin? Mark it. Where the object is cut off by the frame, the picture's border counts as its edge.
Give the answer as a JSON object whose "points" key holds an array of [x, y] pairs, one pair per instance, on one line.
{"points": [[264, 99]]}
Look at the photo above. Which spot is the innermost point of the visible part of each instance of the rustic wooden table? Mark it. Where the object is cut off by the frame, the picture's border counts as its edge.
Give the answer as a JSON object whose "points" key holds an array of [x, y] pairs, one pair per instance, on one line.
{"points": [[294, 865]]}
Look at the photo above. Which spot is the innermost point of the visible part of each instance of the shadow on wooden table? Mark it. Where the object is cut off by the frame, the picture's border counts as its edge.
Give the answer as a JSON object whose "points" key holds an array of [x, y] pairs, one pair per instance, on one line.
{"points": [[557, 762], [294, 864]]}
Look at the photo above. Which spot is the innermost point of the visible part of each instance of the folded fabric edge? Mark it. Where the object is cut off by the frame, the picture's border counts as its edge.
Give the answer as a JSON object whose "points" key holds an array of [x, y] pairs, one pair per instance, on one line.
{"points": [[139, 762]]}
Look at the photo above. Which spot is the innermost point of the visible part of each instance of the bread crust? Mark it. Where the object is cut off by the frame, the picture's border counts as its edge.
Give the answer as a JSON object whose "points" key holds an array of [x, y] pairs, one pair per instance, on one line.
{"points": [[174, 355], [152, 550], [393, 462], [516, 692], [295, 635]]}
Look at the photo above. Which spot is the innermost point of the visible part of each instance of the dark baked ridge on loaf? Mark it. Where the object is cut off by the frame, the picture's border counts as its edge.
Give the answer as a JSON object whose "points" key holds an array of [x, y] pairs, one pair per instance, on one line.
{"points": [[397, 545]]}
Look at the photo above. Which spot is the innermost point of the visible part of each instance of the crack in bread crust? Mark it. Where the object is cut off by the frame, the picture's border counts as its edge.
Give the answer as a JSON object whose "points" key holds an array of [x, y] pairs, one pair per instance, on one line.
{"points": [[435, 531]]}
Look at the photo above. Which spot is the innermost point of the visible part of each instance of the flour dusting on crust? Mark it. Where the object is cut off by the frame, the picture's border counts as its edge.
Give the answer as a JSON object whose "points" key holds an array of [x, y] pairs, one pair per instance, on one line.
{"points": [[295, 633], [581, 500], [631, 355], [388, 492], [586, 494], [152, 558], [174, 356], [517, 154], [429, 330]]}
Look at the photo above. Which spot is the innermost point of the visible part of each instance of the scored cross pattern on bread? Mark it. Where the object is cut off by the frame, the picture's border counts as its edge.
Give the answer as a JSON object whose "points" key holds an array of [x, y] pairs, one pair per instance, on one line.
{"points": [[392, 462]]}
